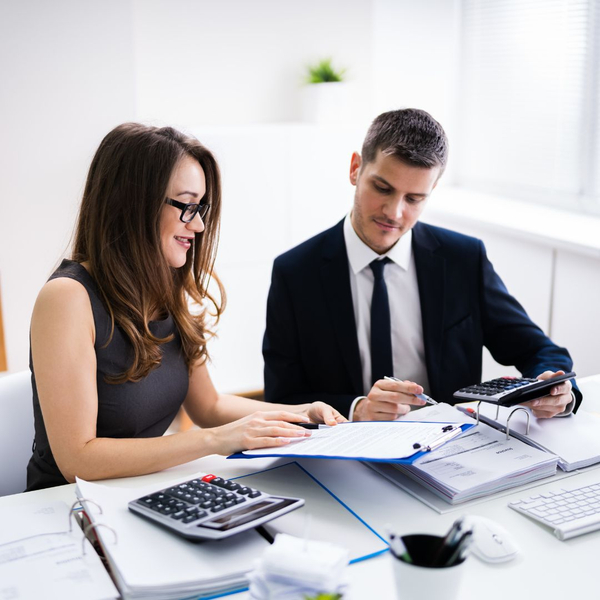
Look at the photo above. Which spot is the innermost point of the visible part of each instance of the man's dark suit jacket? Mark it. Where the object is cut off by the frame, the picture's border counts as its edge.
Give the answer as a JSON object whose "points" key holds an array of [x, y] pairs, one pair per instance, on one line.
{"points": [[310, 345]]}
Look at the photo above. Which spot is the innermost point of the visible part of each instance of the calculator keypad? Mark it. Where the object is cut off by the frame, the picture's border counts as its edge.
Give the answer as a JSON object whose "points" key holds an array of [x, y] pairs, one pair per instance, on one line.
{"points": [[498, 387], [193, 500]]}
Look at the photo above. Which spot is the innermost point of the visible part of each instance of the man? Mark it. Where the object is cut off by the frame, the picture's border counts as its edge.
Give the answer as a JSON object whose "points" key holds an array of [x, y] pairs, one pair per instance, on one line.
{"points": [[380, 294]]}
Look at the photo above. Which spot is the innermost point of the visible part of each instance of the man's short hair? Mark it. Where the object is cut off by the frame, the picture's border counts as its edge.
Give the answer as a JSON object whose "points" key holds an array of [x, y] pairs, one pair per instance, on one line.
{"points": [[411, 135]]}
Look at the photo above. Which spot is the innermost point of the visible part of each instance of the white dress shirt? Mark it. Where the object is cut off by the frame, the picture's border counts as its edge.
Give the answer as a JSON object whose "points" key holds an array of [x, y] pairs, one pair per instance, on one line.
{"points": [[400, 275]]}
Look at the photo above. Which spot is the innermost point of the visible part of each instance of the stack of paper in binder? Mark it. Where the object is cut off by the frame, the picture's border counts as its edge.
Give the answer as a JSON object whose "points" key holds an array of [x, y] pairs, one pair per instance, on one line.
{"points": [[149, 562], [479, 463], [574, 439]]}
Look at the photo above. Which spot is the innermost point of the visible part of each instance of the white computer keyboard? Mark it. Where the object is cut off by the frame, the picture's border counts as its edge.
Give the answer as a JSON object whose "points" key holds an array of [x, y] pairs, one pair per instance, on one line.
{"points": [[569, 512]]}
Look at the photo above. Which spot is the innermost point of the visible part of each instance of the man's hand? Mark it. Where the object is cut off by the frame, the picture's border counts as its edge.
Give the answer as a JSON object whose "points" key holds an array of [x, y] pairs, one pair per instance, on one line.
{"points": [[555, 402], [388, 400]]}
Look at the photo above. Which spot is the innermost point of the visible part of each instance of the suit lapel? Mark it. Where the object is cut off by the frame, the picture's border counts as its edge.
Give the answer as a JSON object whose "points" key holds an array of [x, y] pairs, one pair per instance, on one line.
{"points": [[431, 278], [335, 279]]}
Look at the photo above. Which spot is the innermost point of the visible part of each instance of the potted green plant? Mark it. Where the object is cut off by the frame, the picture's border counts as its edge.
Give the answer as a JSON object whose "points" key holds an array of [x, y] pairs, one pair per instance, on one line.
{"points": [[324, 72], [325, 94]]}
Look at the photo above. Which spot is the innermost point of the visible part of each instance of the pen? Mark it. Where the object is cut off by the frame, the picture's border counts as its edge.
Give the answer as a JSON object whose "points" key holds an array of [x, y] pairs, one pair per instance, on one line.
{"points": [[311, 425], [423, 397], [460, 549], [397, 546], [449, 542], [449, 431]]}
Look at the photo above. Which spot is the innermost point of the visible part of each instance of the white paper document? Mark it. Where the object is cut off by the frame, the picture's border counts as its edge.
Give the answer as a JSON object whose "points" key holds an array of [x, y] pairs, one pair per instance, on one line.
{"points": [[574, 439], [40, 558], [479, 463], [363, 440]]}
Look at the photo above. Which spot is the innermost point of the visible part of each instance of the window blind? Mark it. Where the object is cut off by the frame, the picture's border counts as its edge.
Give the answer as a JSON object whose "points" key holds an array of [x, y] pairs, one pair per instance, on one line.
{"points": [[529, 99]]}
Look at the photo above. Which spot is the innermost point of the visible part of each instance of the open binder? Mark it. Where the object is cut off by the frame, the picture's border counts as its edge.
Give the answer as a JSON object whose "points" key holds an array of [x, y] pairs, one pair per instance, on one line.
{"points": [[44, 554], [479, 463], [149, 562], [574, 439]]}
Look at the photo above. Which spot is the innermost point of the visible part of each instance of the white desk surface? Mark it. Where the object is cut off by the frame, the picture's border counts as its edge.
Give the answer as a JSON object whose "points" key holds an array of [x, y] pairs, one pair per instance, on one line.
{"points": [[546, 567]]}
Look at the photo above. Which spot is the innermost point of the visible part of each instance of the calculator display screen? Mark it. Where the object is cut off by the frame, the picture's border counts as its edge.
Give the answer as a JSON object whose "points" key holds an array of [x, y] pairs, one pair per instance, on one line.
{"points": [[248, 513]]}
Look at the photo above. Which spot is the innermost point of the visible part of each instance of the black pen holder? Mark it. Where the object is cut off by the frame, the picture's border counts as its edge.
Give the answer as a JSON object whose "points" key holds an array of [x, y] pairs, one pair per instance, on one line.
{"points": [[424, 551]]}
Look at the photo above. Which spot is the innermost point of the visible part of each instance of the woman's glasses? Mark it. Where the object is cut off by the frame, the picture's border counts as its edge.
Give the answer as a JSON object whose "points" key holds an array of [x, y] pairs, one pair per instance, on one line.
{"points": [[189, 211]]}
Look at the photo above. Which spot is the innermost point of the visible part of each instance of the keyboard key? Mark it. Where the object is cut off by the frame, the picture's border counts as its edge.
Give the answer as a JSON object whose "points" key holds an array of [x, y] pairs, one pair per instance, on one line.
{"points": [[147, 501], [190, 519], [554, 518], [218, 481]]}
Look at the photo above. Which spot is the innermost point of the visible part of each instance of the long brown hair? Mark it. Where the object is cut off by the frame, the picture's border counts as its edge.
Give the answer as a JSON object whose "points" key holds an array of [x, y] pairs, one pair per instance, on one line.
{"points": [[118, 235]]}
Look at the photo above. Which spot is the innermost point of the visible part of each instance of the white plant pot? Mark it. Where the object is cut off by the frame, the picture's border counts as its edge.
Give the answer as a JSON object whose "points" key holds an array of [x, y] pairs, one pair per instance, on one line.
{"points": [[326, 102]]}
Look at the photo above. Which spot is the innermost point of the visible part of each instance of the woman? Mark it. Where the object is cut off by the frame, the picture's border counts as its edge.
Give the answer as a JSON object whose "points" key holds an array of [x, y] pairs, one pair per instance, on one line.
{"points": [[115, 350]]}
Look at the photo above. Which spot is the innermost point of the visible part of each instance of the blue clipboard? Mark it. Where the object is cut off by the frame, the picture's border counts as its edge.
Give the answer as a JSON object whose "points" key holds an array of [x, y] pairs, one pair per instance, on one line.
{"points": [[403, 460]]}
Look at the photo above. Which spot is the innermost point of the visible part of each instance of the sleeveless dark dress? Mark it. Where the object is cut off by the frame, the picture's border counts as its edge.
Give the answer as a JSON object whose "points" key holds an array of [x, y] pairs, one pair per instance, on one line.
{"points": [[130, 410]]}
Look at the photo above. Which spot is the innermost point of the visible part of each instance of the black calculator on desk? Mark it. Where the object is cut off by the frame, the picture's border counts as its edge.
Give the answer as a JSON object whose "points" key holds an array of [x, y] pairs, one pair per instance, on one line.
{"points": [[508, 391], [211, 508]]}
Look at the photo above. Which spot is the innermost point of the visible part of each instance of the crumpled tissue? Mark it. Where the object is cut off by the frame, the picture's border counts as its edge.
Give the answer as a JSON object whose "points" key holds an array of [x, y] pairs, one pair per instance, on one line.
{"points": [[293, 568]]}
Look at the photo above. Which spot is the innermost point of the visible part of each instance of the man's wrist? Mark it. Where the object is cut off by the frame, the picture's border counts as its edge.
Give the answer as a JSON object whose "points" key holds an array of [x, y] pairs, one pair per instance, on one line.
{"points": [[353, 407], [569, 408]]}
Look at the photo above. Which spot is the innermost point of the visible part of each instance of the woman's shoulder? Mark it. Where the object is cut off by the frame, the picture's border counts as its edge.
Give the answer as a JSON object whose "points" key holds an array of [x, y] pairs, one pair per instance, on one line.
{"points": [[63, 295], [70, 269], [62, 314], [62, 325], [69, 283]]}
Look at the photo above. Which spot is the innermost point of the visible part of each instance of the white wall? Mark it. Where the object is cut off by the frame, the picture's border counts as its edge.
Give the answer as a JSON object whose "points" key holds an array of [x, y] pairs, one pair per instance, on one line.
{"points": [[416, 49], [577, 299], [66, 78], [72, 69], [236, 62], [270, 205]]}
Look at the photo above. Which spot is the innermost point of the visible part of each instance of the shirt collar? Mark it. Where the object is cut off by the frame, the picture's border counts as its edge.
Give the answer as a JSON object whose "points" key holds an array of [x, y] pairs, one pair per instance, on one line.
{"points": [[360, 255]]}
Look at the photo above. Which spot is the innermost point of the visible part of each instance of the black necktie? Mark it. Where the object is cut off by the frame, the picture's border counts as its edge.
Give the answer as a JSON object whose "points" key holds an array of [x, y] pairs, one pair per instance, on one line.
{"points": [[381, 335]]}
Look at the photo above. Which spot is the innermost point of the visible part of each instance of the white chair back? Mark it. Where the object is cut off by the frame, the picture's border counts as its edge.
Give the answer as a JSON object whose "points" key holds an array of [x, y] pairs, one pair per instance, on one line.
{"points": [[16, 431]]}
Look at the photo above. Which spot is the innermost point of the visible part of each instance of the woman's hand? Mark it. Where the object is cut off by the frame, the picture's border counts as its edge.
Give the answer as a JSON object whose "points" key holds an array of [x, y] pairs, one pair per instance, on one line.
{"points": [[263, 429], [319, 412]]}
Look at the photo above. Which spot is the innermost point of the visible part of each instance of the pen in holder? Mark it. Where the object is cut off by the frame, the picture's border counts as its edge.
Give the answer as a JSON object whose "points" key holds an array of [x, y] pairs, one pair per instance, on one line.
{"points": [[430, 566]]}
